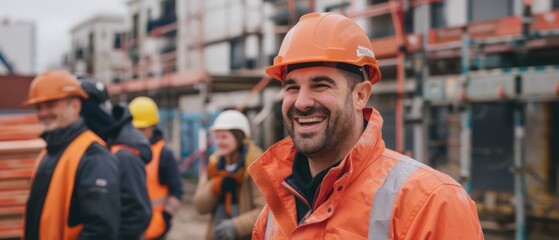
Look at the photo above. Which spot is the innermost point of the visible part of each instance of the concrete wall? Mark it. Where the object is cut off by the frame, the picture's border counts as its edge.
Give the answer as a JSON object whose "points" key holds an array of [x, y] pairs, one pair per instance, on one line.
{"points": [[190, 104], [456, 12], [539, 6], [422, 19], [269, 42], [222, 22], [218, 102], [105, 56], [217, 58], [18, 44], [149, 46]]}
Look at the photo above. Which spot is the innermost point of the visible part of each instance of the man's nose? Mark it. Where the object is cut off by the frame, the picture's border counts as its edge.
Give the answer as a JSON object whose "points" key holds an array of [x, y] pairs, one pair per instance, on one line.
{"points": [[304, 100]]}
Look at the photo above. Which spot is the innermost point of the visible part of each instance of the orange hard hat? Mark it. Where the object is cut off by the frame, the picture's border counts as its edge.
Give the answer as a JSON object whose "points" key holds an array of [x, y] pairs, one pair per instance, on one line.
{"points": [[52, 85], [326, 38]]}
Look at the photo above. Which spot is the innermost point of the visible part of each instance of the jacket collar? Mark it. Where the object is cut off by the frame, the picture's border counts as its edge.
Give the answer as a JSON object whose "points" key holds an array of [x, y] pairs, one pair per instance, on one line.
{"points": [[58, 139], [157, 136], [270, 170], [253, 152]]}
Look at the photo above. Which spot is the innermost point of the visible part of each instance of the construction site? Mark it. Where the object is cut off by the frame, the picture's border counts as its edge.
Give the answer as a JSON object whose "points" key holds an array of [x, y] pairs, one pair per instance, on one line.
{"points": [[469, 87]]}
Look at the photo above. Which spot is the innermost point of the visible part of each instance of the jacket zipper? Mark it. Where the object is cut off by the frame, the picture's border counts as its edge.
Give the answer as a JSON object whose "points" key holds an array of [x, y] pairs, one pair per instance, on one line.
{"points": [[298, 195]]}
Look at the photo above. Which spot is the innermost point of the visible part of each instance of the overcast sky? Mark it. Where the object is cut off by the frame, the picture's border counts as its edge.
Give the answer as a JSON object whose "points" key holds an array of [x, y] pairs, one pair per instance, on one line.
{"points": [[54, 19]]}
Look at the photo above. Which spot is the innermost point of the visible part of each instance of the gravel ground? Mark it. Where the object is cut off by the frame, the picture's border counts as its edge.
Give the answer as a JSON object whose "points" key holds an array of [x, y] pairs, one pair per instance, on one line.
{"points": [[188, 224]]}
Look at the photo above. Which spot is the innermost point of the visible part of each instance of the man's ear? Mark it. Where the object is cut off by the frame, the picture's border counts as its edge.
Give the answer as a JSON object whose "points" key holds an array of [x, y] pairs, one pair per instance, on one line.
{"points": [[361, 94], [76, 103]]}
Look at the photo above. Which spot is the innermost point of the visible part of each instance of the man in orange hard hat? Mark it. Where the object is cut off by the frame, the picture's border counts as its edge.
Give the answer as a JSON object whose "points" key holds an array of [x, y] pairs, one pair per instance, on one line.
{"points": [[333, 177], [75, 184]]}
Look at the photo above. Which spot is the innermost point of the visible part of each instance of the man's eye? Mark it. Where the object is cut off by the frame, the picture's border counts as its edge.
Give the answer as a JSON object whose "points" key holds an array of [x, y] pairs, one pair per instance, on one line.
{"points": [[290, 88]]}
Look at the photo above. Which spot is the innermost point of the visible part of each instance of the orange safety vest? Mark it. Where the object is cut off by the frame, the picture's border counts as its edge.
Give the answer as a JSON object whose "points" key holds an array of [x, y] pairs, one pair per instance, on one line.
{"points": [[158, 193], [54, 216], [374, 193]]}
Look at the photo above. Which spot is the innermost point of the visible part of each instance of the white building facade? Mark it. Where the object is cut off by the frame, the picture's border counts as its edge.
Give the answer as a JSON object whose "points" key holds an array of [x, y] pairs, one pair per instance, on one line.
{"points": [[18, 45], [97, 48]]}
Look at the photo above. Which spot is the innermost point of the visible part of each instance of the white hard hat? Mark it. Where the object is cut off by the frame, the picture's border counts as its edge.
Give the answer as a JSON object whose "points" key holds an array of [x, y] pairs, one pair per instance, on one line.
{"points": [[230, 120]]}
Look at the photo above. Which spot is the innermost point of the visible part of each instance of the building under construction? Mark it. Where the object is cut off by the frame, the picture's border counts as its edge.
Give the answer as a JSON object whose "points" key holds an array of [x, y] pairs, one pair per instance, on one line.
{"points": [[469, 87]]}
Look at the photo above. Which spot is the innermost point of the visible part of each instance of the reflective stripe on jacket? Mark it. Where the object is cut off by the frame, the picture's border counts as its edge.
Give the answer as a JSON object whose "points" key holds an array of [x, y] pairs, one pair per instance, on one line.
{"points": [[56, 211], [374, 193], [157, 193]]}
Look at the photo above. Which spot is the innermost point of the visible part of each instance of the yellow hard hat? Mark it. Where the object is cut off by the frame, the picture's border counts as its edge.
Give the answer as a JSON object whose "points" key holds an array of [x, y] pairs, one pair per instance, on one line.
{"points": [[144, 112]]}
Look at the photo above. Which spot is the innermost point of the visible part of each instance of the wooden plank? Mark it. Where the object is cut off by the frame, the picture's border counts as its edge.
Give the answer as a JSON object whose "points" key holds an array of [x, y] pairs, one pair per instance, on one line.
{"points": [[17, 163], [15, 173], [11, 228], [12, 210], [20, 132], [21, 146], [14, 184], [16, 119], [13, 200]]}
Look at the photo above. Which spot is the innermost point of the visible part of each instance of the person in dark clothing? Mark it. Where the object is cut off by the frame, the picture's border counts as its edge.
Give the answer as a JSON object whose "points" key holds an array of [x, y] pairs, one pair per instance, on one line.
{"points": [[75, 183], [163, 178], [132, 150]]}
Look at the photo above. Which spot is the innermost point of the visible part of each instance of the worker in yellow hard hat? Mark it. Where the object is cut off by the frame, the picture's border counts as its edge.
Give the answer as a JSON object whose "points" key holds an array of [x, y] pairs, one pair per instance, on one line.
{"points": [[163, 178], [75, 183]]}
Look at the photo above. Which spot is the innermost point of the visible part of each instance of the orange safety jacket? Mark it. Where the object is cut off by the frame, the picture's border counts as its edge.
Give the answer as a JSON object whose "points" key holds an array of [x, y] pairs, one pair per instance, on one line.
{"points": [[54, 217], [158, 193], [374, 193], [216, 173]]}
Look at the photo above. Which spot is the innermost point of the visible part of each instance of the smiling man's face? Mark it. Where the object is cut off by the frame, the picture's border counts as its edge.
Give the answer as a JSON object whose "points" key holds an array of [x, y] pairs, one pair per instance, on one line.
{"points": [[58, 113], [318, 109]]}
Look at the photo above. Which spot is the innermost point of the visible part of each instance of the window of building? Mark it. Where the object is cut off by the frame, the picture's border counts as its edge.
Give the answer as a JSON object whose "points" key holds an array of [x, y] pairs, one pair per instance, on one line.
{"points": [[237, 52], [341, 8], [408, 21], [117, 41], [168, 7], [372, 2], [79, 53], [438, 19], [381, 26], [91, 43], [481, 10], [438, 136], [135, 25]]}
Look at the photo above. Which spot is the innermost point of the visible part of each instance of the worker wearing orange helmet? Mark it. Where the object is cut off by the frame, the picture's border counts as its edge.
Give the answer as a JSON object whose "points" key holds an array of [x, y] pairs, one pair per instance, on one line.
{"points": [[75, 185], [226, 191], [333, 177], [162, 175]]}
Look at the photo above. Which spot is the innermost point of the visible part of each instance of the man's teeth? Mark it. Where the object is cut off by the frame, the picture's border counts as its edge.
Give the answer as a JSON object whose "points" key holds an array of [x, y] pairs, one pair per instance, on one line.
{"points": [[310, 120]]}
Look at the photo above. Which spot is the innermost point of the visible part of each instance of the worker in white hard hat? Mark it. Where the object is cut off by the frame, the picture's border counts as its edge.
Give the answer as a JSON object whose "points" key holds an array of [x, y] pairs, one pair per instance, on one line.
{"points": [[226, 191]]}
